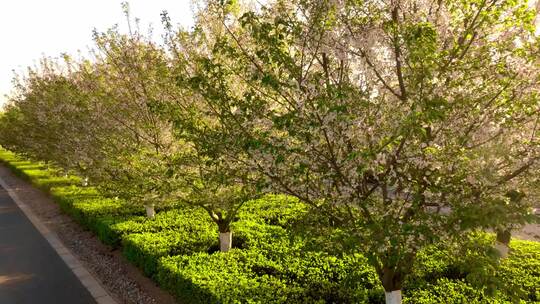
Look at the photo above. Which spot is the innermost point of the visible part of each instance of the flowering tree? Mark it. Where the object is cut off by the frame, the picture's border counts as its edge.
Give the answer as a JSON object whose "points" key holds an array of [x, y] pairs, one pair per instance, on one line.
{"points": [[214, 184], [100, 117], [406, 123], [409, 122], [44, 117], [128, 82], [206, 171]]}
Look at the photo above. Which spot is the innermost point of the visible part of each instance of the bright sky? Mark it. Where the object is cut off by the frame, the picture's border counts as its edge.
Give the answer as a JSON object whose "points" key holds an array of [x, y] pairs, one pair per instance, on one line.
{"points": [[30, 29]]}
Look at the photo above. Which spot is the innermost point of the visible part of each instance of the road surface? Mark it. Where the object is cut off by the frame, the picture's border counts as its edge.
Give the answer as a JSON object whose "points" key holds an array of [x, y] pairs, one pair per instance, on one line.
{"points": [[31, 272]]}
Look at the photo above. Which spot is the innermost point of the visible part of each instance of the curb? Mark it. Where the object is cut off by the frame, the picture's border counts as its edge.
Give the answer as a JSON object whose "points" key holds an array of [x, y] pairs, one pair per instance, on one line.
{"points": [[85, 277]]}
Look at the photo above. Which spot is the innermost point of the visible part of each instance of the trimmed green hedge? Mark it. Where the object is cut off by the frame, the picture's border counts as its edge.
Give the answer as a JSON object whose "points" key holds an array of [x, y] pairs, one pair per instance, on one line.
{"points": [[439, 270], [270, 262], [175, 232], [277, 209], [222, 278]]}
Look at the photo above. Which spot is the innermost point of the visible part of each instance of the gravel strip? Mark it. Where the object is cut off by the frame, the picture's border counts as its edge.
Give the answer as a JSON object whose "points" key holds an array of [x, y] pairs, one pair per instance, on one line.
{"points": [[123, 281]]}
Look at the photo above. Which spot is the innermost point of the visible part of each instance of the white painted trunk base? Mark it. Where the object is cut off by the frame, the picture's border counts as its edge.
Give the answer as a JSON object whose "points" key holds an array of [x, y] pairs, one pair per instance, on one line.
{"points": [[502, 249], [225, 241], [393, 297], [150, 211]]}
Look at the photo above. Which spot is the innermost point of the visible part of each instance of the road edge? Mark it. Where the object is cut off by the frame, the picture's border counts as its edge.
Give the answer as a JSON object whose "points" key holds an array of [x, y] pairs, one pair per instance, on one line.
{"points": [[83, 275]]}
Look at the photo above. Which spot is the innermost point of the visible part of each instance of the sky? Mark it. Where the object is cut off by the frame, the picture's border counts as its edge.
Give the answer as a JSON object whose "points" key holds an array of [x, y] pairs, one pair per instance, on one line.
{"points": [[30, 29]]}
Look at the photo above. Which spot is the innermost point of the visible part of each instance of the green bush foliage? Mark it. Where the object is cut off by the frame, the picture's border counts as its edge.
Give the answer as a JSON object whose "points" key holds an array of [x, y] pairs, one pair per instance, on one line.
{"points": [[273, 209], [271, 263], [222, 278]]}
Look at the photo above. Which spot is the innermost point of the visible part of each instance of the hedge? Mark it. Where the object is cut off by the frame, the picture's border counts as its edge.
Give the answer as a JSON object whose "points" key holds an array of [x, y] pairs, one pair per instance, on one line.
{"points": [[270, 262]]}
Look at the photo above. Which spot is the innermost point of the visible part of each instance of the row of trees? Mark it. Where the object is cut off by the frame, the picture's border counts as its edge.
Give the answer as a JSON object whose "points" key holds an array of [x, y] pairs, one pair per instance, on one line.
{"points": [[402, 123]]}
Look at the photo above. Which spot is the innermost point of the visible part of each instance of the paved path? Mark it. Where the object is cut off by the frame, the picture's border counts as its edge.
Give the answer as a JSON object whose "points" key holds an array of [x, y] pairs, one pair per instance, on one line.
{"points": [[31, 271]]}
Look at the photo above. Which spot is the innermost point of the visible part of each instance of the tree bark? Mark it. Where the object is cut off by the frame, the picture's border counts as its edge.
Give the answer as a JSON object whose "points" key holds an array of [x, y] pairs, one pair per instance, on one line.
{"points": [[225, 235], [393, 297], [225, 241], [391, 281], [150, 210], [502, 242]]}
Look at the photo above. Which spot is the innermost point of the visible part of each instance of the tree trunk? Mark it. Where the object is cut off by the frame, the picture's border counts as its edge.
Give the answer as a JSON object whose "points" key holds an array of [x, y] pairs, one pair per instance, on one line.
{"points": [[502, 242], [393, 297], [225, 241], [150, 211], [225, 235], [391, 281]]}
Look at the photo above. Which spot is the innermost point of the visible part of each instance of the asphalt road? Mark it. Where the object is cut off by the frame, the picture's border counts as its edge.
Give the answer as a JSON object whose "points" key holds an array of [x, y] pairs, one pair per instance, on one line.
{"points": [[31, 272]]}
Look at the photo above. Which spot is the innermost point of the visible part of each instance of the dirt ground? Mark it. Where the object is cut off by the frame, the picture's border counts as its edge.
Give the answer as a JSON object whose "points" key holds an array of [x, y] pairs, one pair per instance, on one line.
{"points": [[529, 232]]}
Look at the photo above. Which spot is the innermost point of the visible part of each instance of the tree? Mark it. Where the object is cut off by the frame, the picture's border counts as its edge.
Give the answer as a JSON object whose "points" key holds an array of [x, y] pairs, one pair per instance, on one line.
{"points": [[129, 80], [100, 117], [406, 122], [44, 116], [205, 172]]}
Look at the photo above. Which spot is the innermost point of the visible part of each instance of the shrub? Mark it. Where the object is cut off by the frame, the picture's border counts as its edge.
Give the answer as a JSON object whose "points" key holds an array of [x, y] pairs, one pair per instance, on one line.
{"points": [[447, 291], [222, 278], [273, 209], [520, 273], [446, 274], [250, 275], [93, 212], [145, 249], [249, 234], [273, 262], [343, 279]]}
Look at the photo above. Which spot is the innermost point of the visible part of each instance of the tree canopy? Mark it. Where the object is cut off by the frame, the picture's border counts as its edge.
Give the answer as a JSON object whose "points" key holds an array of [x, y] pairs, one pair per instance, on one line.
{"points": [[401, 123]]}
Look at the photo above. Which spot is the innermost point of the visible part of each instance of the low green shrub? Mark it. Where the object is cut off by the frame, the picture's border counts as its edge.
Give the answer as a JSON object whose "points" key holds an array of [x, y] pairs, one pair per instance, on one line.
{"points": [[68, 195], [449, 292], [95, 213], [256, 235], [250, 275], [343, 279], [272, 262], [273, 209], [47, 182], [449, 274], [520, 273], [145, 249], [222, 278]]}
